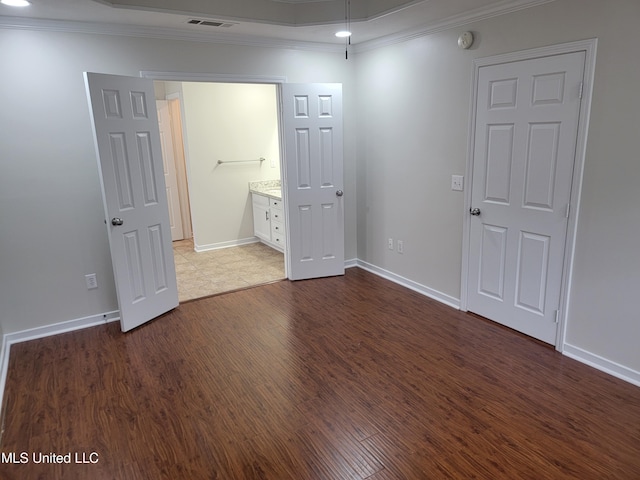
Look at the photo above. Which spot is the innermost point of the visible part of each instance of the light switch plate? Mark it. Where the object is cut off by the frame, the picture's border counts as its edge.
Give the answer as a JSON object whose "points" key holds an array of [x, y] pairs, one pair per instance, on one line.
{"points": [[457, 182], [91, 281]]}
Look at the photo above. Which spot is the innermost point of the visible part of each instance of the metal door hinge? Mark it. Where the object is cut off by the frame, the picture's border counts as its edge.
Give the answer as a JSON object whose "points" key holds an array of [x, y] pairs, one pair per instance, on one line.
{"points": [[556, 317], [567, 211], [581, 90]]}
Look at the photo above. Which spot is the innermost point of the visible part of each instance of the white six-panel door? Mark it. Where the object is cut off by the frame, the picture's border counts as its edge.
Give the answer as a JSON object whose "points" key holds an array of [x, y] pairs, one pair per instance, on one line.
{"points": [[127, 142], [313, 166], [526, 128]]}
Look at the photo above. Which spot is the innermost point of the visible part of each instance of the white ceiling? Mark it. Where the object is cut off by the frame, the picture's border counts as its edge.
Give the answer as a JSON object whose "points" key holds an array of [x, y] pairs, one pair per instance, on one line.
{"points": [[292, 21]]}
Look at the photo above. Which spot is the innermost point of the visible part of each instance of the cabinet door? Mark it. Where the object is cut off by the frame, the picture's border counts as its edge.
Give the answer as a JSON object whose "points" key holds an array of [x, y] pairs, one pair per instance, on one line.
{"points": [[261, 222]]}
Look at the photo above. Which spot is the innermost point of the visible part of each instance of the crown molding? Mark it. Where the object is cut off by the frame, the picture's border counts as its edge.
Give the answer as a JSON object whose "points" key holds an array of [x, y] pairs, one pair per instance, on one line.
{"points": [[483, 13], [300, 1], [64, 26], [211, 77]]}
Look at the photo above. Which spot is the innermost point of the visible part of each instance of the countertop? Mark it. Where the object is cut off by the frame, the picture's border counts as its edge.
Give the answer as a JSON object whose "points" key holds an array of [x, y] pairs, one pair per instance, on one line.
{"points": [[268, 188]]}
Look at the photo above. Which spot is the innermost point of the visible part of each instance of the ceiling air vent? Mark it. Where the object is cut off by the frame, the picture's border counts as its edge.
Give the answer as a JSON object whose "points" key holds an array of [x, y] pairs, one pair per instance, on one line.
{"points": [[210, 23]]}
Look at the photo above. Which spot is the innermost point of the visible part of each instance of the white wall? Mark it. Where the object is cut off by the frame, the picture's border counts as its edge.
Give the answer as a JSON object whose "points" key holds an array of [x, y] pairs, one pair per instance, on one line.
{"points": [[228, 122], [413, 109], [52, 228]]}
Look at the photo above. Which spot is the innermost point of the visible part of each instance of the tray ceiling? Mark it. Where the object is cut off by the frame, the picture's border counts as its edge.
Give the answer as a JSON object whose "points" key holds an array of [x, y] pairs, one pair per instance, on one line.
{"points": [[307, 23], [277, 12]]}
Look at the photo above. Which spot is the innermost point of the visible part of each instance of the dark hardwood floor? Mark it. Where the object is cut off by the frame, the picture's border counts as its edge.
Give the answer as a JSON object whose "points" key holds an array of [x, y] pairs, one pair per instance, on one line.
{"points": [[350, 377]]}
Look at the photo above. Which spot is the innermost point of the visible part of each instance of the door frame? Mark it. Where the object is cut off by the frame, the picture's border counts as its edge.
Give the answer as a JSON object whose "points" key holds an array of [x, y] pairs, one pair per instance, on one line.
{"points": [[231, 78], [180, 162], [588, 46]]}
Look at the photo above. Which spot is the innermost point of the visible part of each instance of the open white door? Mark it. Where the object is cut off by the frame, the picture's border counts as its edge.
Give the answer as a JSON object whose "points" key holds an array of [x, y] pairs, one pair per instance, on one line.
{"points": [[313, 163], [127, 139]]}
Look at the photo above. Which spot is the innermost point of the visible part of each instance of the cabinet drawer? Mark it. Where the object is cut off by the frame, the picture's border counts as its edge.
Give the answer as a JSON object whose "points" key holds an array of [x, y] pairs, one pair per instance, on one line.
{"points": [[277, 228], [279, 240], [277, 216], [273, 203]]}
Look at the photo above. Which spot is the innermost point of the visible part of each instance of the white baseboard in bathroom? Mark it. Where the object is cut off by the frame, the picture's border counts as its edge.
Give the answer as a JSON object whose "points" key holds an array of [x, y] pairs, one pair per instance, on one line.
{"points": [[230, 243]]}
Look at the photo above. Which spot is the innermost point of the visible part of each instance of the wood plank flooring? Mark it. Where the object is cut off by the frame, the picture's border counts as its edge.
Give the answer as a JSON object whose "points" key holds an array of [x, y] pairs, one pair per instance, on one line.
{"points": [[349, 377]]}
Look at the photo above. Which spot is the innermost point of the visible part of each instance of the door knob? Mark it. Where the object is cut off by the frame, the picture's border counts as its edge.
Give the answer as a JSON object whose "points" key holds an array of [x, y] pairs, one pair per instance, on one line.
{"points": [[339, 193], [474, 211], [116, 221]]}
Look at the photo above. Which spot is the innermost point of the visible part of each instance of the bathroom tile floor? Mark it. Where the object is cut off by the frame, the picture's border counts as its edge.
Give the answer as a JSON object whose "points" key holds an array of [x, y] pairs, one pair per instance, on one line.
{"points": [[201, 274]]}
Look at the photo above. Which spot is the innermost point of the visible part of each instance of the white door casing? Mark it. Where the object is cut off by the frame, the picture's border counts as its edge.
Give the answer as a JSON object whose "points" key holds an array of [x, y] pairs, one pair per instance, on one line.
{"points": [[526, 126], [313, 177], [169, 169], [127, 141], [175, 112]]}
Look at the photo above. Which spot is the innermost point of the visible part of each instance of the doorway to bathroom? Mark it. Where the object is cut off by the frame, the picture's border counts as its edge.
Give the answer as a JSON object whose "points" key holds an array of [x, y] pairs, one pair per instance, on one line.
{"points": [[217, 138]]}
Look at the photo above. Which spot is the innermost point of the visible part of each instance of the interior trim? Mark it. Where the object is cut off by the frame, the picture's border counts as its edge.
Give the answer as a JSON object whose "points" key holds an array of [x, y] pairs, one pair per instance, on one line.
{"points": [[4, 370], [211, 77], [602, 364], [61, 327], [454, 21], [67, 26], [501, 8], [410, 284], [231, 243]]}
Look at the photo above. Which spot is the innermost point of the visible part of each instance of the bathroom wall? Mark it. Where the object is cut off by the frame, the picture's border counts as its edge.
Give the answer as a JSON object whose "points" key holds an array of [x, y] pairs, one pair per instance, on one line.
{"points": [[227, 120], [231, 123]]}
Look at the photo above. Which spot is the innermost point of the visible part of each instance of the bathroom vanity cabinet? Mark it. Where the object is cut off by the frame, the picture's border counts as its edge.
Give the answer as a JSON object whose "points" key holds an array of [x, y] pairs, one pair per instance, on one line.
{"points": [[268, 220]]}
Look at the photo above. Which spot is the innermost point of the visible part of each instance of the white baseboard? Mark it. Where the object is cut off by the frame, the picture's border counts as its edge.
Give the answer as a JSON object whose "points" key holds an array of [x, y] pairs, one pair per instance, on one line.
{"points": [[410, 284], [351, 263], [4, 368], [601, 363], [230, 243], [62, 327], [46, 331]]}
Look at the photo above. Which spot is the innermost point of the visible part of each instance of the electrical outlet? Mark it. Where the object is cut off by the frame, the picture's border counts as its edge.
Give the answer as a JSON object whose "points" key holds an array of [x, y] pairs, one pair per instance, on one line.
{"points": [[400, 246], [390, 243], [91, 281], [457, 182]]}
